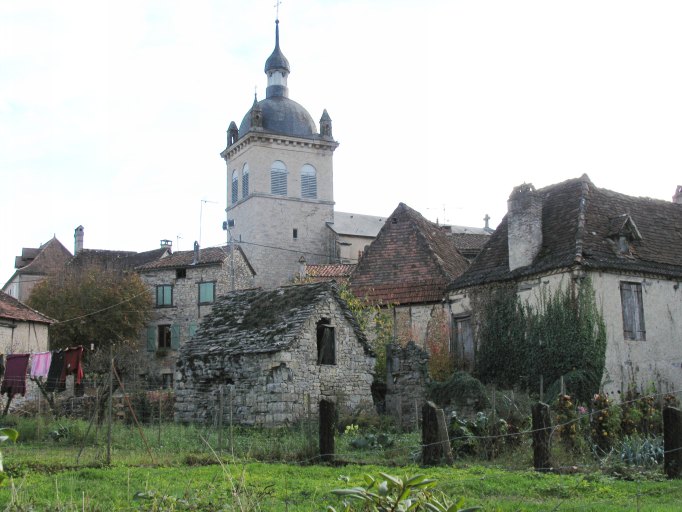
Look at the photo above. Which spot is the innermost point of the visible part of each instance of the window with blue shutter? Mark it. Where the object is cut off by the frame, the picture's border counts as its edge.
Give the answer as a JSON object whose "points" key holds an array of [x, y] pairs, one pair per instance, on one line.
{"points": [[151, 338], [207, 293], [175, 337], [192, 329], [164, 295]]}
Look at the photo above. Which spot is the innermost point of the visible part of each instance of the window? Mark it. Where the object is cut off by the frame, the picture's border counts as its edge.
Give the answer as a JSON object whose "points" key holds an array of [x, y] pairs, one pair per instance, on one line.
{"points": [[308, 182], [180, 273], [633, 311], [278, 178], [164, 295], [462, 342], [207, 293], [295, 234], [326, 345], [164, 339], [235, 187], [167, 380], [245, 181]]}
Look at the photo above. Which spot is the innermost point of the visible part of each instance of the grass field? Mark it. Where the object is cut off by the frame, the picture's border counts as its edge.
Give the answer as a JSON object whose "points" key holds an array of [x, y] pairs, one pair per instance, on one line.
{"points": [[272, 470]]}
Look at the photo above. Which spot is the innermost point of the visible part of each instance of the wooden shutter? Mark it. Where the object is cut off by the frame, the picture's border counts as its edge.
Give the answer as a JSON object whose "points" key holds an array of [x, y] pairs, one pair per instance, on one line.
{"points": [[175, 336], [633, 311], [151, 338]]}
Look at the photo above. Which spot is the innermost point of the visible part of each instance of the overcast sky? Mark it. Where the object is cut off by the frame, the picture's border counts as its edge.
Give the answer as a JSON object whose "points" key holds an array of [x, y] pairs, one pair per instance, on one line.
{"points": [[113, 114]]}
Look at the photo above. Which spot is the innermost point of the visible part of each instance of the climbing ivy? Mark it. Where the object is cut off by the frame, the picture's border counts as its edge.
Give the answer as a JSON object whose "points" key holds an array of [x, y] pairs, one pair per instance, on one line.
{"points": [[563, 335], [376, 322]]}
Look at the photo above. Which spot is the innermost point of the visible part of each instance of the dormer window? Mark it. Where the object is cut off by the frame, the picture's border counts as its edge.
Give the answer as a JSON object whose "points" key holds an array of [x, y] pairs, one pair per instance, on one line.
{"points": [[623, 232]]}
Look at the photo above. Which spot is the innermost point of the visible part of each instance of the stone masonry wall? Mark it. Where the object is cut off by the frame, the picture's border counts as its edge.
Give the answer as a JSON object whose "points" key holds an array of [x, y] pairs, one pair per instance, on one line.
{"points": [[276, 388], [406, 379], [186, 312]]}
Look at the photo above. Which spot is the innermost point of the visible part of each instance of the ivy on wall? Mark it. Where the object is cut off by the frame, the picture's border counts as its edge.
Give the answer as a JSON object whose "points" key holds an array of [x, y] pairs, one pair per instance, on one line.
{"points": [[520, 343]]}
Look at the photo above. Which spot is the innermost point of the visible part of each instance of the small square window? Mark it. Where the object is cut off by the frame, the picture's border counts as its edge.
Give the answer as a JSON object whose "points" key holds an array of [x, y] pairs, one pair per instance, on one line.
{"points": [[180, 273], [207, 293], [164, 295], [167, 380]]}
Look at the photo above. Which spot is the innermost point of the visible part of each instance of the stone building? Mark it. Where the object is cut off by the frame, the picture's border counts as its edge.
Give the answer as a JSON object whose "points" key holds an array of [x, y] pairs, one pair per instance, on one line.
{"points": [[185, 285], [276, 354], [630, 247], [34, 265]]}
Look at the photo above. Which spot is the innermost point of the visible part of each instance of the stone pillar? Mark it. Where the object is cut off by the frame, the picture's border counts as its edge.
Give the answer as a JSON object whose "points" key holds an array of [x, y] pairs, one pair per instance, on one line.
{"points": [[542, 426], [327, 426], [435, 441], [672, 442]]}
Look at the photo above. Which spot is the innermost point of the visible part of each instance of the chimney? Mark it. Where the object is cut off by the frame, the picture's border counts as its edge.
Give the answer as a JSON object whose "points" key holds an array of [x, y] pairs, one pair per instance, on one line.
{"points": [[196, 253], [302, 268], [78, 240], [166, 244], [677, 198], [524, 225]]}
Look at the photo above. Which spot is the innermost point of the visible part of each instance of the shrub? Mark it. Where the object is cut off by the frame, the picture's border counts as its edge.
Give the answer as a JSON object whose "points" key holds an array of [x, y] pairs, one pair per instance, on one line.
{"points": [[460, 390], [393, 493], [605, 424]]}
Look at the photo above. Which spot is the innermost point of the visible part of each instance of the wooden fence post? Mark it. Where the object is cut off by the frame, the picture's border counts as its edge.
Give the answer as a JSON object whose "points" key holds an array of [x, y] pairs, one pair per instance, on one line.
{"points": [[541, 437], [672, 442], [327, 427]]}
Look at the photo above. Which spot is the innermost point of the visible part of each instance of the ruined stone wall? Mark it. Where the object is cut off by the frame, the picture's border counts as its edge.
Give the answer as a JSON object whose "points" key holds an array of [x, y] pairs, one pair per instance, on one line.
{"points": [[276, 388], [406, 378], [412, 323]]}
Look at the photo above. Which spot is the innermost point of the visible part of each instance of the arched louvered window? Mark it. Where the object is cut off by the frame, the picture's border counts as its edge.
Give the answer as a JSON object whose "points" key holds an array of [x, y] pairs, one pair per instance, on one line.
{"points": [[308, 182], [278, 178], [235, 187], [245, 181]]}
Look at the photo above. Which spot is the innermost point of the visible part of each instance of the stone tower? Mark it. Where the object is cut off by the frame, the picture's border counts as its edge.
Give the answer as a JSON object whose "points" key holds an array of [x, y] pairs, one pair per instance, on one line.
{"points": [[280, 193]]}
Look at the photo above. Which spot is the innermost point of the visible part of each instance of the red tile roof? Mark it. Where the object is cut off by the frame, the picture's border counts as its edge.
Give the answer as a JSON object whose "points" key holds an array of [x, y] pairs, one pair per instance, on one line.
{"points": [[335, 271], [12, 309], [412, 260]]}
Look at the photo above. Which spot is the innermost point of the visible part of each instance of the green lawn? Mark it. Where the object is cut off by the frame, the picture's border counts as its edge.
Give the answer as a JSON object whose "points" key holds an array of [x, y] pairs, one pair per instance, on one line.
{"points": [[271, 470]]}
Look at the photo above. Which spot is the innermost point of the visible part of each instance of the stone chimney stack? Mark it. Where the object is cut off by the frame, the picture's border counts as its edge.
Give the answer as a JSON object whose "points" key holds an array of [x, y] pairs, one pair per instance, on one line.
{"points": [[78, 240], [524, 225], [677, 198]]}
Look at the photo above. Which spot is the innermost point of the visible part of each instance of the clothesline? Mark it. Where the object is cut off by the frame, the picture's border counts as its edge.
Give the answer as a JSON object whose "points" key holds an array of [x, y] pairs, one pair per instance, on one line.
{"points": [[53, 366]]}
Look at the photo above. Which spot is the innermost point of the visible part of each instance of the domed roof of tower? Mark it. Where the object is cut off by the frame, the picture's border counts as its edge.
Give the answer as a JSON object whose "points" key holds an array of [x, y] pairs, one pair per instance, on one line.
{"points": [[277, 60], [282, 115]]}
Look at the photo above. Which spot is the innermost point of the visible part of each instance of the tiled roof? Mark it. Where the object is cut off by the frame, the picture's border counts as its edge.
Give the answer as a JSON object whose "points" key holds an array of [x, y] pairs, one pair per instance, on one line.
{"points": [[12, 309], [101, 258], [262, 321], [336, 271], [578, 222], [48, 259], [183, 259], [412, 260]]}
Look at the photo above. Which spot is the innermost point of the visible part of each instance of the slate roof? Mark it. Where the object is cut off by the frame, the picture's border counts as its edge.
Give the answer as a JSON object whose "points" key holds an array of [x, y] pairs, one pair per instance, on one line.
{"points": [[412, 260], [12, 309], [579, 228], [356, 224], [327, 272], [185, 259], [263, 321], [470, 244]]}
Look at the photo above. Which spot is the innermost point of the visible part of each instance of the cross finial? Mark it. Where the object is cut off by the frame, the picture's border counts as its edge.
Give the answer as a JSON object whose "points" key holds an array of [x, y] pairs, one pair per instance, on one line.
{"points": [[486, 219], [277, 4]]}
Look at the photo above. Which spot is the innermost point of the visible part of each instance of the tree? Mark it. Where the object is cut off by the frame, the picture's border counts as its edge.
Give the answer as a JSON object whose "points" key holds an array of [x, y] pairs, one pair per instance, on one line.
{"points": [[107, 309], [93, 306]]}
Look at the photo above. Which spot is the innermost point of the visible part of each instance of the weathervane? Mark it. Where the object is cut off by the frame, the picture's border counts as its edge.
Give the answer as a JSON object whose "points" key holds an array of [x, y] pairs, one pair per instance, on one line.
{"points": [[277, 4]]}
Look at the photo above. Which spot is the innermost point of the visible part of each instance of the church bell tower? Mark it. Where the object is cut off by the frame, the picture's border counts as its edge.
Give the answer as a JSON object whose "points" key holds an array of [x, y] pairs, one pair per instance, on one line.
{"points": [[280, 193]]}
